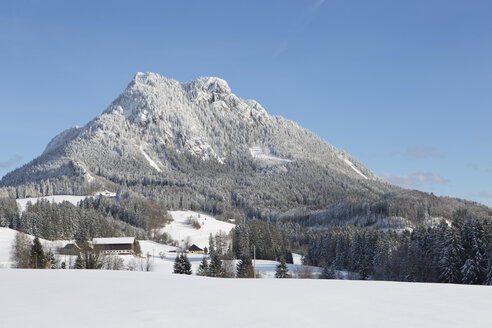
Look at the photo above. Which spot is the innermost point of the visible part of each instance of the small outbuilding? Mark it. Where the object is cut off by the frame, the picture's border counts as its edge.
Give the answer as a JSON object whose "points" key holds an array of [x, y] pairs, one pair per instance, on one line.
{"points": [[194, 249], [117, 245]]}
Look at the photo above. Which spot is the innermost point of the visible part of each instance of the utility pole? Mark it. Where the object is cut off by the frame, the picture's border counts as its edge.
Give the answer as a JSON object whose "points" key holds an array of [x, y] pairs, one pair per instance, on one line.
{"points": [[254, 260]]}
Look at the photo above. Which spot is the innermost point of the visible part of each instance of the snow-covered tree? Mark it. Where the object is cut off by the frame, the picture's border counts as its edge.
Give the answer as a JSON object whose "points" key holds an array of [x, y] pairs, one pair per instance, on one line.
{"points": [[328, 272], [203, 268], [51, 260], [282, 271], [182, 264], [245, 268], [450, 263], [37, 258], [216, 268]]}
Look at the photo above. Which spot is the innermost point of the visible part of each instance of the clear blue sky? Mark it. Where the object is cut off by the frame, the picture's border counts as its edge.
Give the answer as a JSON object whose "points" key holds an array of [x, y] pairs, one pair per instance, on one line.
{"points": [[403, 86]]}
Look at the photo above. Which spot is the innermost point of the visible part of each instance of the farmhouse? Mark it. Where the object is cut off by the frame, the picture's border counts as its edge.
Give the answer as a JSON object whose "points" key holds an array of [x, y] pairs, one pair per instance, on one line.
{"points": [[121, 245], [194, 249]]}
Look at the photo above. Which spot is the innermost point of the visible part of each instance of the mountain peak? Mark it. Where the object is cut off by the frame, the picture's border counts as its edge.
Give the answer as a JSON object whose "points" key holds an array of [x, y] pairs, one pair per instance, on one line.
{"points": [[208, 84], [211, 84]]}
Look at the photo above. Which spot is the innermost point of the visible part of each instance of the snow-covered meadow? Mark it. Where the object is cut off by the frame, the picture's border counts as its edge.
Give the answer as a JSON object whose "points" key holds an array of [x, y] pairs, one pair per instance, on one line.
{"points": [[57, 199], [85, 298], [181, 231]]}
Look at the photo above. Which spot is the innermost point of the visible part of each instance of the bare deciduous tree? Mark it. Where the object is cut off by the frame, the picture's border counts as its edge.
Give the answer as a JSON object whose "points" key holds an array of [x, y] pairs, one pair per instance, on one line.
{"points": [[21, 247]]}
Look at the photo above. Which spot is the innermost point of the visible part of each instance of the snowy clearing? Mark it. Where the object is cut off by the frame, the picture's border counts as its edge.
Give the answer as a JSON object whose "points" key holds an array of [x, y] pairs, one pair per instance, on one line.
{"points": [[150, 160], [354, 168], [58, 199], [263, 154], [180, 230], [22, 202], [85, 298]]}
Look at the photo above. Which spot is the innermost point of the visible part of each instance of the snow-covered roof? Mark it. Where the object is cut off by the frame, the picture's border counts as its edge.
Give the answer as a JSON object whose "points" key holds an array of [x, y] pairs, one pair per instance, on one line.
{"points": [[194, 248], [114, 240], [72, 245]]}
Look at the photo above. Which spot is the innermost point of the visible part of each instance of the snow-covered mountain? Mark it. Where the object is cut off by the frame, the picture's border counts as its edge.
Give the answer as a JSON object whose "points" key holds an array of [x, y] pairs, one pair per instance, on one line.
{"points": [[197, 145], [203, 118]]}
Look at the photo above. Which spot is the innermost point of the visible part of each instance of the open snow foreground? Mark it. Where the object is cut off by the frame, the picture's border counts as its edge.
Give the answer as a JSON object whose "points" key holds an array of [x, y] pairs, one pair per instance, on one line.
{"points": [[84, 298]]}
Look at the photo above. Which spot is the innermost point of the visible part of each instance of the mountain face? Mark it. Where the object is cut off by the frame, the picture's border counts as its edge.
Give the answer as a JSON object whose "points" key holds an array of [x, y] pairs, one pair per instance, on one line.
{"points": [[197, 145]]}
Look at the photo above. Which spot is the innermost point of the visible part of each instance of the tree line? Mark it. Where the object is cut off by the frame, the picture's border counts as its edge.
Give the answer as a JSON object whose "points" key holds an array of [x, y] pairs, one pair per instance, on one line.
{"points": [[460, 252]]}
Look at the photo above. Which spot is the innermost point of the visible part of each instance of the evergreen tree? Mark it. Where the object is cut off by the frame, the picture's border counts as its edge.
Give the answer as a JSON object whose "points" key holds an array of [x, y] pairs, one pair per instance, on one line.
{"points": [[216, 269], [79, 262], [138, 249], [50, 258], [37, 259], [178, 268], [340, 254], [182, 264], [470, 272], [488, 278], [473, 271], [450, 263], [203, 268], [186, 264], [211, 246], [328, 272], [245, 268], [282, 270], [88, 260]]}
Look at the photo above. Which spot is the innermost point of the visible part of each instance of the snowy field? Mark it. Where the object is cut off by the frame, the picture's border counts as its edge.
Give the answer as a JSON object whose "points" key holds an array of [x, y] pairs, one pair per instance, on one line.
{"points": [[84, 298]]}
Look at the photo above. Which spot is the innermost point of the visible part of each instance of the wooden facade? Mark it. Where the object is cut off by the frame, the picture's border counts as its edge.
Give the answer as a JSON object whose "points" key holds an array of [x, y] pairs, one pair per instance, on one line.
{"points": [[194, 249], [119, 246]]}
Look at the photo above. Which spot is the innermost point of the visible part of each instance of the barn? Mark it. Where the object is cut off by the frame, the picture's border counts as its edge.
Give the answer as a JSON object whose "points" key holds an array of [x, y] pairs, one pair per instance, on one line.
{"points": [[194, 249], [70, 249], [116, 245]]}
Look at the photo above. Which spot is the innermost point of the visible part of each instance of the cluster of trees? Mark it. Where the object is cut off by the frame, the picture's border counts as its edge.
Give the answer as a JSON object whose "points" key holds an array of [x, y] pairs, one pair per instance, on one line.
{"points": [[456, 253], [132, 209], [269, 240], [66, 221], [126, 215], [8, 211], [223, 253], [27, 254], [221, 268]]}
